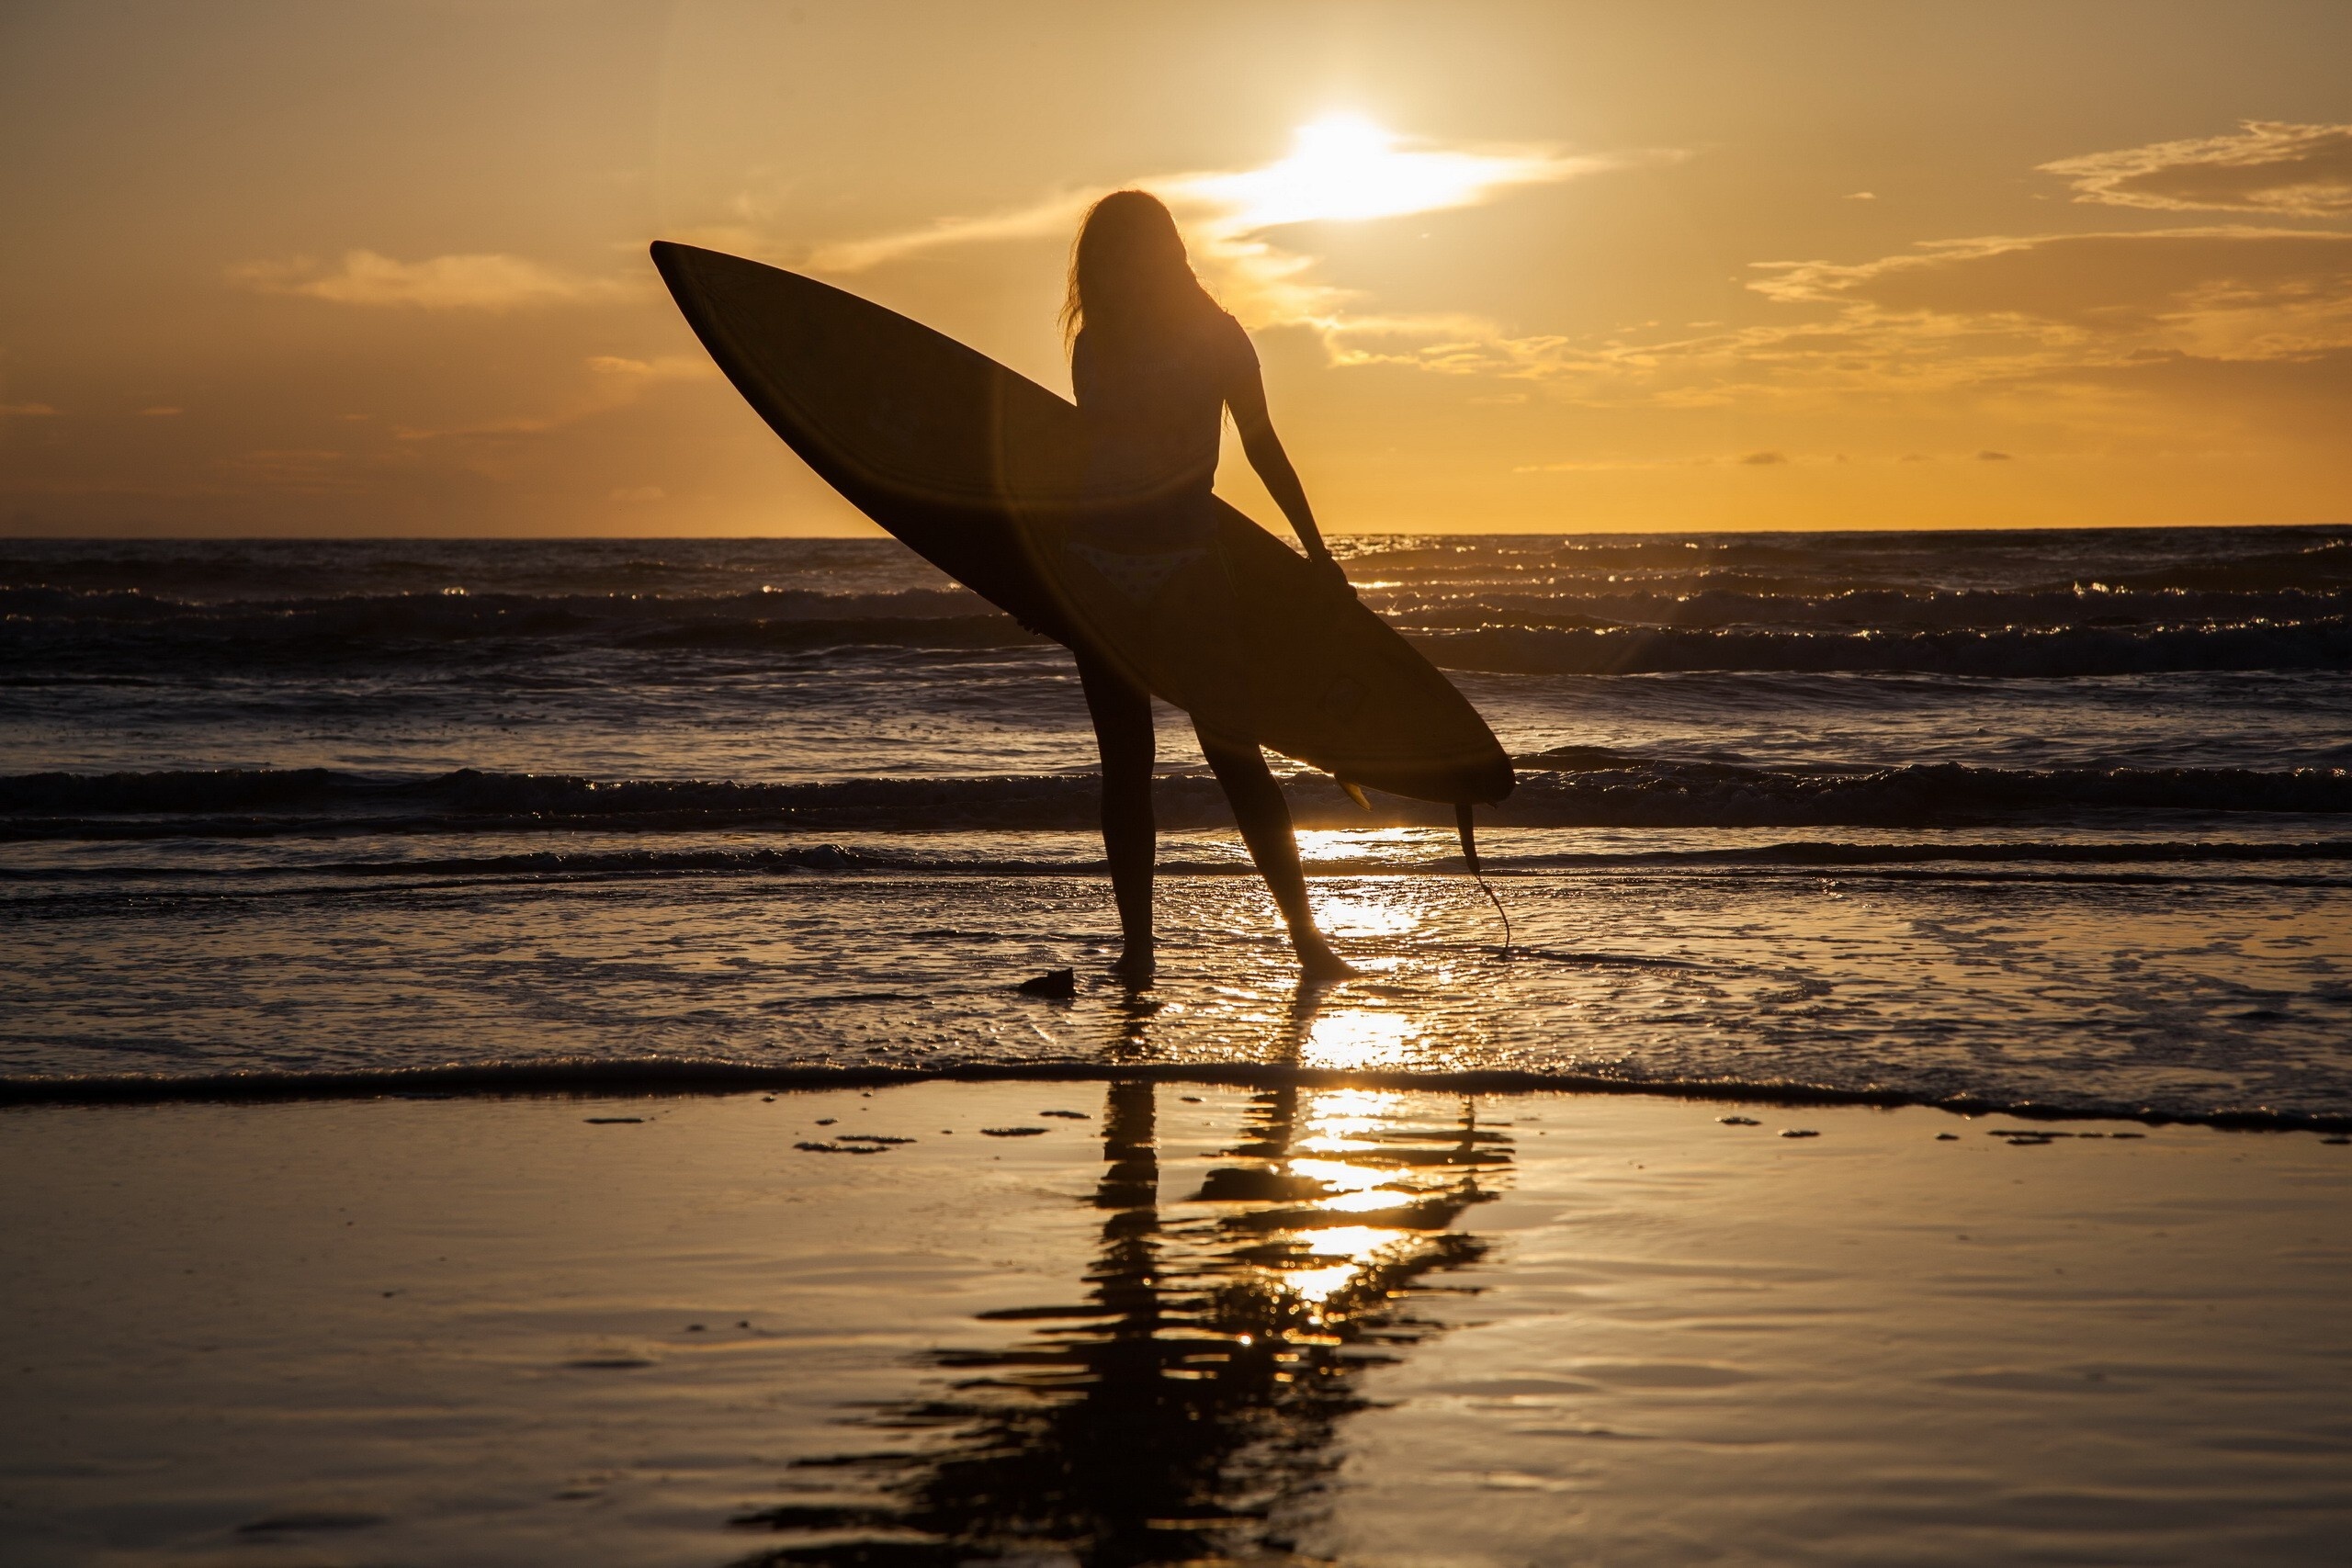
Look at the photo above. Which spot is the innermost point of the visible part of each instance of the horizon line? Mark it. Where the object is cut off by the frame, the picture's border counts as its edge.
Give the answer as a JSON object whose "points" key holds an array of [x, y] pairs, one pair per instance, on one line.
{"points": [[878, 536]]}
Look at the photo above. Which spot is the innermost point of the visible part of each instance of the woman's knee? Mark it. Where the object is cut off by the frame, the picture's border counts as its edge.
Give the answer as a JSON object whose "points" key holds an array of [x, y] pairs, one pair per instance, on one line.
{"points": [[1122, 715], [1235, 762]]}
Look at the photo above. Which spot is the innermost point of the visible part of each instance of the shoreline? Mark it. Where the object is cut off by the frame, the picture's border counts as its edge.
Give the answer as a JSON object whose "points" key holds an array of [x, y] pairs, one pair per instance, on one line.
{"points": [[600, 1077]]}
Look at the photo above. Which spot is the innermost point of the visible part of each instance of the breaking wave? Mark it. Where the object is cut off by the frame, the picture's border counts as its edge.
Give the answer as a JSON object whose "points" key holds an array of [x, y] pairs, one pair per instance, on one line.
{"points": [[2010, 652], [1572, 788]]}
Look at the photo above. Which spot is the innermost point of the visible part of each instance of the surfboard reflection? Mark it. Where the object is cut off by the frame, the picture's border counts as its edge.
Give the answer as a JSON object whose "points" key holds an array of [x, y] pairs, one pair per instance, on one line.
{"points": [[1187, 1408]]}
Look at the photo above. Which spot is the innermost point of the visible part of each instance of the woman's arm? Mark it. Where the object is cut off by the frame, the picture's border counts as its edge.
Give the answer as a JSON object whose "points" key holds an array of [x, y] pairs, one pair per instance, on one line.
{"points": [[1247, 398]]}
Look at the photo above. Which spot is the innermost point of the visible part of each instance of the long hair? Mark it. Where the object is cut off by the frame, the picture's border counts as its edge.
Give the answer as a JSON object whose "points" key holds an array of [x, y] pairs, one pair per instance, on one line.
{"points": [[1128, 276]]}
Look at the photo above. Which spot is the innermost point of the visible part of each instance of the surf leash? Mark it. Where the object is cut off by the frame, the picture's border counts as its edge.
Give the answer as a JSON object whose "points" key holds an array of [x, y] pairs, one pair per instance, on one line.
{"points": [[1470, 853]]}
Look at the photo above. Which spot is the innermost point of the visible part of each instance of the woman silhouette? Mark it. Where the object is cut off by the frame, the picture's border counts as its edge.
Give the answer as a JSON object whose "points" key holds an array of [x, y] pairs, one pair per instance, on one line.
{"points": [[1155, 364]]}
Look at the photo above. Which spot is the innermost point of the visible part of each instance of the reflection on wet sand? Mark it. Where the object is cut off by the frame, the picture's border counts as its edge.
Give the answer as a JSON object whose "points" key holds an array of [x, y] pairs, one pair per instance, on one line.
{"points": [[1187, 1408]]}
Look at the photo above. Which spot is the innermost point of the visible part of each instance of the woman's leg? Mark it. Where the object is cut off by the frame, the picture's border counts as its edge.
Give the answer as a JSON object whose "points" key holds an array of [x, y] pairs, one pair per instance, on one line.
{"points": [[1123, 735], [1264, 815]]}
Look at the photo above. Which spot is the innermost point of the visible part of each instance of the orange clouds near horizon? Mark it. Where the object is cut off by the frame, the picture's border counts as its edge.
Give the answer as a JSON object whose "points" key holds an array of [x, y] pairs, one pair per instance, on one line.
{"points": [[1511, 267]]}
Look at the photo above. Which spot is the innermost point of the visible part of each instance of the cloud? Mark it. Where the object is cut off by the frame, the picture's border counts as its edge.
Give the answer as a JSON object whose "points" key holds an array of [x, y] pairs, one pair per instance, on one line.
{"points": [[1945, 316], [1349, 170], [614, 382], [293, 470], [1055, 214], [2101, 309], [2267, 166], [1766, 459], [645, 372], [495, 283], [27, 411], [1343, 169], [1989, 456], [2225, 292], [2079, 325]]}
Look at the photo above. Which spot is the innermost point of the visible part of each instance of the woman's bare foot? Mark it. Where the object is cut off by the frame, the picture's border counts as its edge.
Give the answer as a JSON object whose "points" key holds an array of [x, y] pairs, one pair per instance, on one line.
{"points": [[1318, 964], [1136, 964]]}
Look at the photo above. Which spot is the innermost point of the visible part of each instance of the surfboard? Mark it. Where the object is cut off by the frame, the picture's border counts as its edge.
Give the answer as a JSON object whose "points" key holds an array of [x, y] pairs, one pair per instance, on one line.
{"points": [[978, 469]]}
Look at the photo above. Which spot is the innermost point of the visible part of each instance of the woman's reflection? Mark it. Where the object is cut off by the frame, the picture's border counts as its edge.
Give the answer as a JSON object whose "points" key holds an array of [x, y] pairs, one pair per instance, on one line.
{"points": [[1187, 1408]]}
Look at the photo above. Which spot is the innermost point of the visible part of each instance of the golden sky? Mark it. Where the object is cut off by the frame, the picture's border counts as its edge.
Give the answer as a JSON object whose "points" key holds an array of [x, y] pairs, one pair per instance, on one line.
{"points": [[309, 269]]}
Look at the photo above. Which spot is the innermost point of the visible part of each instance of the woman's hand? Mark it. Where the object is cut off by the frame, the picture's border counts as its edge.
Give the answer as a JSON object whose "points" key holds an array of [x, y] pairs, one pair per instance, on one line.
{"points": [[1327, 568]]}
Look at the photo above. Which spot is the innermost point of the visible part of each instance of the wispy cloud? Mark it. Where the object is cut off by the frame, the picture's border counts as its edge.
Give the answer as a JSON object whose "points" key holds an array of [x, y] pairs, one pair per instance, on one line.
{"points": [[492, 283], [613, 382], [1053, 215], [1990, 310], [1338, 170], [2234, 292], [27, 411], [1772, 458], [294, 471], [2266, 167], [1986, 313], [646, 372]]}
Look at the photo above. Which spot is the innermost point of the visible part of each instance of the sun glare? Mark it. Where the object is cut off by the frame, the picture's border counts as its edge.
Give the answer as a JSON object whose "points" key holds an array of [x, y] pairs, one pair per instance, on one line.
{"points": [[1345, 168]]}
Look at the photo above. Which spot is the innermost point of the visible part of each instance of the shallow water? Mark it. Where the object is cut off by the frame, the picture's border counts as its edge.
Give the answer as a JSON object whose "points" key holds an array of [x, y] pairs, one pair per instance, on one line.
{"points": [[1161, 1323], [2056, 818]]}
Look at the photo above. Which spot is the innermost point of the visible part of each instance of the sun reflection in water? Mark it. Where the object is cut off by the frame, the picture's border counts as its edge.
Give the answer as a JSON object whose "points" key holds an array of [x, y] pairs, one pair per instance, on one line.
{"points": [[1362, 912], [1364, 1200], [1218, 1327], [1355, 1246], [1356, 1037], [1333, 1124], [1339, 1174], [1363, 843], [1335, 1119]]}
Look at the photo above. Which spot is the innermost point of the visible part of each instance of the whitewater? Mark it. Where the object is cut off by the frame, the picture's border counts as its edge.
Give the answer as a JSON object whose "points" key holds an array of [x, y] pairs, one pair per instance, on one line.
{"points": [[2047, 820]]}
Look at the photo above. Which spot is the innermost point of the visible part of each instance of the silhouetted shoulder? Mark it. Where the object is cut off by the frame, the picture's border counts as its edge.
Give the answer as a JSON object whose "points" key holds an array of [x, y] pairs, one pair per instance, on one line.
{"points": [[1234, 358], [1233, 342]]}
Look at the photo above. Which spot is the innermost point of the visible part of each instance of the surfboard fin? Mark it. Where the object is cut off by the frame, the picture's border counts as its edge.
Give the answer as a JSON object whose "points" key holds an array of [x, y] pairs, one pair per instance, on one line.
{"points": [[1461, 825], [1354, 792]]}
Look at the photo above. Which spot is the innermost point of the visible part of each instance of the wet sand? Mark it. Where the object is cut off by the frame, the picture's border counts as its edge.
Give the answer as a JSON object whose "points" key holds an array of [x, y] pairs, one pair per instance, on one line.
{"points": [[1178, 1323]]}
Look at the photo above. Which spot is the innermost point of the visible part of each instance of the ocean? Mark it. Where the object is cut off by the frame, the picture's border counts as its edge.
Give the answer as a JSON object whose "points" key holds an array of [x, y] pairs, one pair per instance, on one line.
{"points": [[2054, 821]]}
